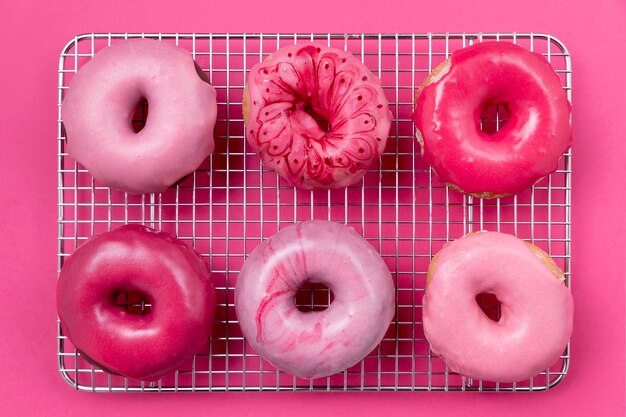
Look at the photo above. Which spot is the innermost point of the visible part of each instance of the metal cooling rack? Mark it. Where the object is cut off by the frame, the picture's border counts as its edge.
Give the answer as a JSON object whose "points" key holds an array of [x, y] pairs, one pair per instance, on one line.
{"points": [[231, 204]]}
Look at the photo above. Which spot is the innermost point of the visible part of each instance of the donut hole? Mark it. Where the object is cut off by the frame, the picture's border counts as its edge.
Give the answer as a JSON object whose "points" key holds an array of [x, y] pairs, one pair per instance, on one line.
{"points": [[313, 296], [201, 73], [140, 115], [493, 117], [133, 302], [490, 305], [321, 121]]}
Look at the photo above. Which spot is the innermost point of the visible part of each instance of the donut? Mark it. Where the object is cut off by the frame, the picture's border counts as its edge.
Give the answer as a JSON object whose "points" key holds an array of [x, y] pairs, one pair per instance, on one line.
{"points": [[528, 146], [168, 274], [298, 84], [318, 343], [536, 308], [100, 102]]}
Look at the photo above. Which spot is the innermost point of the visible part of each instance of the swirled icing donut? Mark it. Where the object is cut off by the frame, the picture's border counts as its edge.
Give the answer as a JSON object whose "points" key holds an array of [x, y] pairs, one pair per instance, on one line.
{"points": [[297, 81], [100, 102], [447, 116], [167, 273], [318, 343], [536, 308]]}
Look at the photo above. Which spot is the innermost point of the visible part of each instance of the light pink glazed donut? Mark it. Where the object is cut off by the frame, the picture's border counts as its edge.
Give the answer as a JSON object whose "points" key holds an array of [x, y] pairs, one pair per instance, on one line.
{"points": [[318, 343], [168, 274], [293, 84], [528, 147], [100, 102], [536, 308]]}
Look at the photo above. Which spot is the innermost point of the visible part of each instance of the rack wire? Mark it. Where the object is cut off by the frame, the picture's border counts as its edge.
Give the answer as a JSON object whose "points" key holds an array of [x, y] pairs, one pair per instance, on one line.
{"points": [[229, 205]]}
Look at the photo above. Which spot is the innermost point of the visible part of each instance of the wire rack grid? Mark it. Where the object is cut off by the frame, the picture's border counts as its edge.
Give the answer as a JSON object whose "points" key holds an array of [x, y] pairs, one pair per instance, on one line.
{"points": [[229, 205]]}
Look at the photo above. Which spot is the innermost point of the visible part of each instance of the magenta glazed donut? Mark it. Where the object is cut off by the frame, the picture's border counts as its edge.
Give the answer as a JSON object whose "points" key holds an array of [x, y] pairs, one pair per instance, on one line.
{"points": [[528, 147], [283, 94], [166, 272], [100, 102], [318, 343], [536, 314]]}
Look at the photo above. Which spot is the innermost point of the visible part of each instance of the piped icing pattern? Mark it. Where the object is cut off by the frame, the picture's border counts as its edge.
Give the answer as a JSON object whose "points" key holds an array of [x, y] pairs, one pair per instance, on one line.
{"points": [[293, 84], [98, 107], [536, 308], [447, 116], [318, 343], [169, 274]]}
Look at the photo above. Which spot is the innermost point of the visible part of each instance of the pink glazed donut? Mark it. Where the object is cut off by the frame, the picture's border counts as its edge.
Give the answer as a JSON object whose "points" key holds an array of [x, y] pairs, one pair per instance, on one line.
{"points": [[318, 343], [528, 147], [98, 108], [294, 85], [536, 308], [168, 274]]}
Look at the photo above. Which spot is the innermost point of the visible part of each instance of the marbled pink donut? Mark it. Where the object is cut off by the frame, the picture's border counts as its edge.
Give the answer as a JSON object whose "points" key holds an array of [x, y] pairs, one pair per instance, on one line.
{"points": [[170, 275], [536, 308], [319, 343], [449, 103], [98, 107], [296, 81]]}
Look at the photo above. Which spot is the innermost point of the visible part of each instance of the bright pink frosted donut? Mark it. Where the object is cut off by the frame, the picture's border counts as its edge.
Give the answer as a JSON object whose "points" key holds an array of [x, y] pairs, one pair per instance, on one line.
{"points": [[100, 102], [294, 82], [536, 308], [168, 273], [526, 148], [319, 343]]}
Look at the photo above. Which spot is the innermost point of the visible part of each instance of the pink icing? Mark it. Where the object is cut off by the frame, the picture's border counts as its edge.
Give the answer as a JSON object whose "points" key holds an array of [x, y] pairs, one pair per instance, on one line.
{"points": [[536, 309], [332, 84], [100, 102], [527, 147], [320, 343], [170, 274]]}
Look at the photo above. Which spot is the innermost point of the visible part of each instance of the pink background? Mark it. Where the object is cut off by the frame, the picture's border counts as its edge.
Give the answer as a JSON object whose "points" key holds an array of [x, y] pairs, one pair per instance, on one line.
{"points": [[33, 34]]}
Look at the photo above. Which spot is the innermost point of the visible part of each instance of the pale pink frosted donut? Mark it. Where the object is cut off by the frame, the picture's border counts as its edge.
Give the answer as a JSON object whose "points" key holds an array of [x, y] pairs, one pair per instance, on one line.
{"points": [[298, 80], [536, 308], [319, 343], [100, 102]]}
